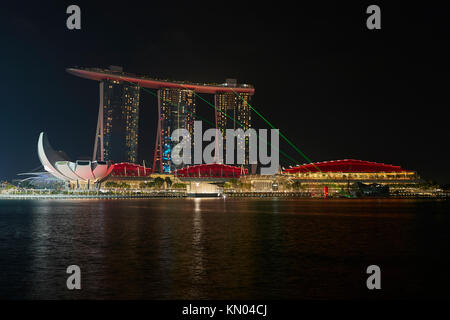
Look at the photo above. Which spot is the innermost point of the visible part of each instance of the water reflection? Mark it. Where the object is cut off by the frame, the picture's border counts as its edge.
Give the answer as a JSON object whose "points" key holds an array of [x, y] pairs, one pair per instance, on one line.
{"points": [[197, 269], [222, 249], [41, 245]]}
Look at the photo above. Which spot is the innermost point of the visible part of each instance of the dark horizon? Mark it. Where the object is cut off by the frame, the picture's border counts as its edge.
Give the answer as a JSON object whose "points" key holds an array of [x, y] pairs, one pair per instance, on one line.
{"points": [[333, 87]]}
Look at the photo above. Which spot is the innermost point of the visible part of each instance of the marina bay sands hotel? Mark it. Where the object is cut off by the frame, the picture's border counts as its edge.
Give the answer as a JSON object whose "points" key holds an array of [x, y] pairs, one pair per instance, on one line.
{"points": [[117, 134]]}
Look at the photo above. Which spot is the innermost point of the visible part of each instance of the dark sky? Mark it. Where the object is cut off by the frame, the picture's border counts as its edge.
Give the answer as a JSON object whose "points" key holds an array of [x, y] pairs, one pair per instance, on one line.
{"points": [[333, 87]]}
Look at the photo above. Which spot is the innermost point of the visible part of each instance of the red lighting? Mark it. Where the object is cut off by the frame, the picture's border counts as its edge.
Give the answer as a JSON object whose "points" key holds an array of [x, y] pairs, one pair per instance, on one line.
{"points": [[125, 169], [347, 165], [213, 170], [157, 84]]}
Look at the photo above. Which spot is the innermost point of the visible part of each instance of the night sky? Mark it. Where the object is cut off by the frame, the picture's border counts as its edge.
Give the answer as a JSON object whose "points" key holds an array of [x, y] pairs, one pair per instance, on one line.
{"points": [[333, 87]]}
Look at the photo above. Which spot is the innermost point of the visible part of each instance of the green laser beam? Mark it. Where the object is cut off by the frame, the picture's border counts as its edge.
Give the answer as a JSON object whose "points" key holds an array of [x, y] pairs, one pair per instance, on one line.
{"points": [[267, 121], [236, 121], [210, 123], [240, 124], [282, 135]]}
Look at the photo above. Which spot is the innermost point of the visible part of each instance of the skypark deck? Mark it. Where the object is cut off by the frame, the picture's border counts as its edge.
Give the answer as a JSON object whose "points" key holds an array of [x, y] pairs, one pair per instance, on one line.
{"points": [[146, 82]]}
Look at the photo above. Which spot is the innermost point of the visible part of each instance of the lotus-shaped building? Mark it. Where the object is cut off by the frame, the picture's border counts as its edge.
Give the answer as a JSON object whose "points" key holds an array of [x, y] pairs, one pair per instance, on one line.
{"points": [[78, 172]]}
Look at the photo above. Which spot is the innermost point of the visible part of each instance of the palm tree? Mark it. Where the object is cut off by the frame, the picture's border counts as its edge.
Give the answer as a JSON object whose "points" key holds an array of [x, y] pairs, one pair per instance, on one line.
{"points": [[158, 182]]}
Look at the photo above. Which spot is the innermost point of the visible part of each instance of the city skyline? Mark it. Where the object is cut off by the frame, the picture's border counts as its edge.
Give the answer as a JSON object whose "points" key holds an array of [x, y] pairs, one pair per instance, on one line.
{"points": [[376, 100], [224, 159]]}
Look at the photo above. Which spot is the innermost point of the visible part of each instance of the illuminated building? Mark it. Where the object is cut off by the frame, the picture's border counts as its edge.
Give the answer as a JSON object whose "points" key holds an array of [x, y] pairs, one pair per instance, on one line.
{"points": [[208, 179], [339, 175], [81, 173], [125, 169], [229, 106], [210, 171], [118, 121], [351, 170], [129, 174], [176, 108], [333, 178], [338, 178]]}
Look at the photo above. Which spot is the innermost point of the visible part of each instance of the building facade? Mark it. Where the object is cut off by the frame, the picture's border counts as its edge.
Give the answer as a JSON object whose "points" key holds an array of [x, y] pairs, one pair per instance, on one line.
{"points": [[119, 107], [120, 119], [339, 176], [229, 106], [177, 111]]}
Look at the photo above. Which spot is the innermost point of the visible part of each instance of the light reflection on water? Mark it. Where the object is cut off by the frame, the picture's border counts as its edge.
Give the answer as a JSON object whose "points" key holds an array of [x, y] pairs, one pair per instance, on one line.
{"points": [[223, 249], [197, 270]]}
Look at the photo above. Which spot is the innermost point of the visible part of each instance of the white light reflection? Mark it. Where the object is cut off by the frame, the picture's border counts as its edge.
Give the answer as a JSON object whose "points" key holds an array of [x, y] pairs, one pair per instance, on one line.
{"points": [[197, 267]]}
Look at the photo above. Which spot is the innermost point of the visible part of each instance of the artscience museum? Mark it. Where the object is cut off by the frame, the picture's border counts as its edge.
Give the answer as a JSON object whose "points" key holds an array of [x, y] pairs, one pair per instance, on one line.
{"points": [[79, 174]]}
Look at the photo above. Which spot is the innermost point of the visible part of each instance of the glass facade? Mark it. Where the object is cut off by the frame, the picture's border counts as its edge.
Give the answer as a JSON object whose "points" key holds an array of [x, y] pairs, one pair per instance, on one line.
{"points": [[120, 121], [177, 112], [231, 106]]}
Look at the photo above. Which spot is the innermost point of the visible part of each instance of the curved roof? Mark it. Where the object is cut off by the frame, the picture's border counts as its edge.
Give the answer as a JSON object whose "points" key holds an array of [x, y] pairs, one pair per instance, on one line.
{"points": [[83, 169], [48, 157], [102, 169], [346, 165], [215, 170], [67, 168], [99, 75], [59, 167], [126, 169]]}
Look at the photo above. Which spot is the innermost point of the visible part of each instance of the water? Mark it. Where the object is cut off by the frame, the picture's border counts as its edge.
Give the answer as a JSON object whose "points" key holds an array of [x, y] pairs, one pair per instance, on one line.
{"points": [[224, 249]]}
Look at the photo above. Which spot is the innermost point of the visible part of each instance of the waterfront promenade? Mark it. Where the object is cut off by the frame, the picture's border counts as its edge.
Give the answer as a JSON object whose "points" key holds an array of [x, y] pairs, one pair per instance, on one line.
{"points": [[181, 194]]}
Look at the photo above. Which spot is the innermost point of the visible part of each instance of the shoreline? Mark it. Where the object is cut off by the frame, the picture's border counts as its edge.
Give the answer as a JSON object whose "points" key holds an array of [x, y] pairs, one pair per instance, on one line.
{"points": [[169, 195]]}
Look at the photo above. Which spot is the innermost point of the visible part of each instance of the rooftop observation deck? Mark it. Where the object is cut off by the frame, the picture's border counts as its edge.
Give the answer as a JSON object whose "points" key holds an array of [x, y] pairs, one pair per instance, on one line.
{"points": [[147, 82]]}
